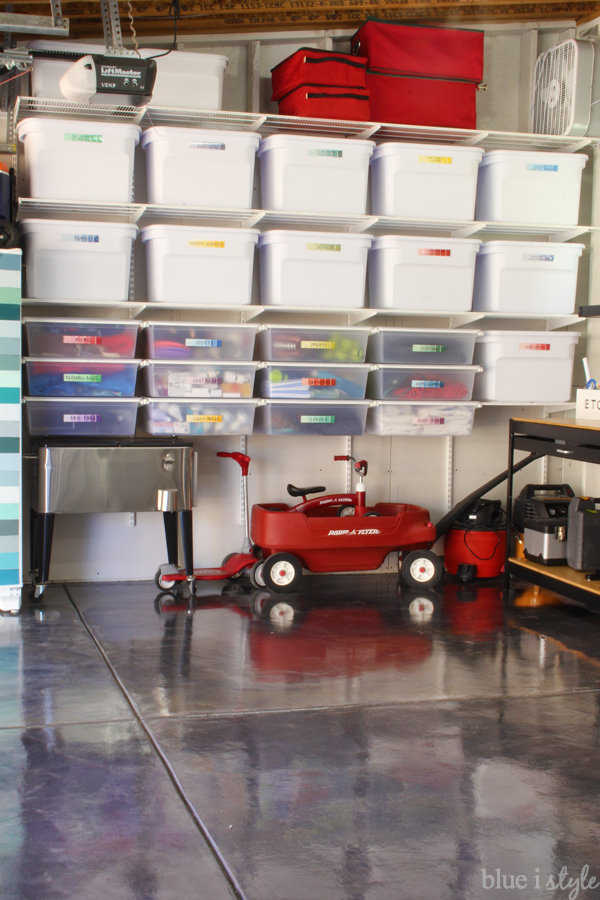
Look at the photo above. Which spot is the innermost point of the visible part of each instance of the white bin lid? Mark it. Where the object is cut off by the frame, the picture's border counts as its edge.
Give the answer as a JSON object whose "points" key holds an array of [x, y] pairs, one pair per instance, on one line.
{"points": [[216, 326], [448, 331], [82, 361], [205, 401], [494, 156], [438, 367], [541, 247], [122, 323], [86, 400], [201, 135], [152, 232], [287, 141], [321, 403], [31, 225], [326, 237], [202, 59], [394, 241], [299, 328], [542, 337], [67, 46], [81, 126], [213, 363], [473, 404], [280, 364], [397, 148]]}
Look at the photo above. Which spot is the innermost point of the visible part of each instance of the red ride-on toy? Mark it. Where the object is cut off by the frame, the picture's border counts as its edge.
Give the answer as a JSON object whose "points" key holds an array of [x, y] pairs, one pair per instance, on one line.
{"points": [[318, 535], [169, 575]]}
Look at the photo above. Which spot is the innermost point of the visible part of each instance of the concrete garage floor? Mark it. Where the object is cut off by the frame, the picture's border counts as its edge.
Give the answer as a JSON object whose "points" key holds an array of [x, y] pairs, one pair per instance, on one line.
{"points": [[353, 747]]}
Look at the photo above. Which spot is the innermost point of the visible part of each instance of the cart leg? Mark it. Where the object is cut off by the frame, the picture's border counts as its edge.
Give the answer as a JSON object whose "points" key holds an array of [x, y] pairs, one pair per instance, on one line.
{"points": [[188, 542], [47, 528], [34, 541], [170, 520]]}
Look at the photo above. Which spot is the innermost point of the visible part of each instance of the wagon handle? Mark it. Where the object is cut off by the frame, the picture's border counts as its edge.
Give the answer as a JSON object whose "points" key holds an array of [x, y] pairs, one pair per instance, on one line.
{"points": [[346, 458]]}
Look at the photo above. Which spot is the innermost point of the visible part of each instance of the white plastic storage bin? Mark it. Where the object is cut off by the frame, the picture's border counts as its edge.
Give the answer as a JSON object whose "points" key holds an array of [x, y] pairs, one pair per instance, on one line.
{"points": [[525, 366], [72, 159], [82, 416], [199, 265], [199, 417], [314, 174], [68, 260], [421, 419], [195, 167], [529, 186], [81, 378], [418, 273], [187, 80], [422, 346], [192, 340], [424, 181], [526, 276], [169, 378], [303, 381], [409, 382], [295, 417], [305, 268], [311, 343], [81, 338]]}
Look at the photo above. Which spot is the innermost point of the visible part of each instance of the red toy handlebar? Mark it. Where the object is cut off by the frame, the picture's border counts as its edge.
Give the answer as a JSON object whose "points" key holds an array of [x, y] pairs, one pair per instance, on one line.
{"points": [[346, 458], [240, 458]]}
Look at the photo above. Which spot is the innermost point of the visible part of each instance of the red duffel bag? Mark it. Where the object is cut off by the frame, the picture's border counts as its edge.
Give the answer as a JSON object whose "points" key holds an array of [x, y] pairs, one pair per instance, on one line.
{"points": [[421, 50], [318, 102], [410, 100], [325, 67]]}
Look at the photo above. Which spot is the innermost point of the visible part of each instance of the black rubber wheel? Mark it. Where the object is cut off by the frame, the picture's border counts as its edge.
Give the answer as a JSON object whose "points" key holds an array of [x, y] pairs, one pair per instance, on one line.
{"points": [[165, 583], [371, 514], [421, 569], [226, 559], [282, 573], [9, 236], [346, 511], [256, 575], [32, 597]]}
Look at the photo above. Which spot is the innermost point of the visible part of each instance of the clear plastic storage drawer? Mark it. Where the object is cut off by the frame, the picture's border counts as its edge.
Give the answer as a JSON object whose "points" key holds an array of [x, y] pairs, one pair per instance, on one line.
{"points": [[312, 417], [199, 379], [197, 417], [301, 381], [189, 340], [447, 383], [81, 338], [82, 416], [421, 346], [426, 419], [88, 378], [311, 343]]}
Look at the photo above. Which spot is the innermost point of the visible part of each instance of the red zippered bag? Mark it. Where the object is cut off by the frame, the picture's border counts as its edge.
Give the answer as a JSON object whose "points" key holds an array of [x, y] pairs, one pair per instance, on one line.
{"points": [[421, 50], [316, 101], [325, 67], [410, 100]]}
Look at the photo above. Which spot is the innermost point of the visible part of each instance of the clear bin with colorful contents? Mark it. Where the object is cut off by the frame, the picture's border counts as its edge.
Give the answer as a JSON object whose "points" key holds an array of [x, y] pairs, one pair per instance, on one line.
{"points": [[191, 340], [229, 380], [69, 378], [81, 338], [198, 417]]}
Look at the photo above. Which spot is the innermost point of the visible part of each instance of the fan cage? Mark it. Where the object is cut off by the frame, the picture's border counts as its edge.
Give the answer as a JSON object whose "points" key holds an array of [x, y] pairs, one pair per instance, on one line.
{"points": [[555, 84]]}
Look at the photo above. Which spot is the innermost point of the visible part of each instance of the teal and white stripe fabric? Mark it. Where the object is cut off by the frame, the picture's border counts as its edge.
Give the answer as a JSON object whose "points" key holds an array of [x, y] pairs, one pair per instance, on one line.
{"points": [[10, 420]]}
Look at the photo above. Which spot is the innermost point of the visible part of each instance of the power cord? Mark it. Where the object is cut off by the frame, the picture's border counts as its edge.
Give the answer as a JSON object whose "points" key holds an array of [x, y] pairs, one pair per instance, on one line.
{"points": [[174, 14]]}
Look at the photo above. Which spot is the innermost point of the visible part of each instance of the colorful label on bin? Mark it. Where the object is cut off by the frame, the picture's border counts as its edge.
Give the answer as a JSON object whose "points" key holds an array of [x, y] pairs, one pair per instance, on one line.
{"points": [[81, 238], [538, 257], [81, 339], [534, 346], [317, 420], [428, 348], [206, 145], [334, 247], [318, 382], [83, 138], [213, 245], [204, 418], [332, 154], [79, 376], [427, 384], [539, 167], [429, 251], [317, 345], [201, 342], [438, 160], [81, 417], [427, 420]]}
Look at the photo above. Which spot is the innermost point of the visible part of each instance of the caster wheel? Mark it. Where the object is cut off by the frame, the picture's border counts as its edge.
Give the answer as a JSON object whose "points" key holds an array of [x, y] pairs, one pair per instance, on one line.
{"points": [[164, 580]]}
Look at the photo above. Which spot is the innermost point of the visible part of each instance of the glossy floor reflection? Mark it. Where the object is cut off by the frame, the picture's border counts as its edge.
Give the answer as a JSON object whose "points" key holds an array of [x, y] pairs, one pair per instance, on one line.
{"points": [[349, 743]]}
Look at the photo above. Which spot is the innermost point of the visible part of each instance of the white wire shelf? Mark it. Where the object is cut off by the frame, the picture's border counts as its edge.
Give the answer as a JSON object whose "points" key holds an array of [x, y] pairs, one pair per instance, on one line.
{"points": [[265, 219], [276, 124]]}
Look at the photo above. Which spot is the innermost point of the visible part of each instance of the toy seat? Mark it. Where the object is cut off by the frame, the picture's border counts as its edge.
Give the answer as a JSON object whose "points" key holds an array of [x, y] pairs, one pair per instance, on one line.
{"points": [[302, 491]]}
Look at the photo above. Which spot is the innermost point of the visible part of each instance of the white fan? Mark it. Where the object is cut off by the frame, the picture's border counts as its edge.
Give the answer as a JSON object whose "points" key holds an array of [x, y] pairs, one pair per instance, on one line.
{"points": [[566, 94]]}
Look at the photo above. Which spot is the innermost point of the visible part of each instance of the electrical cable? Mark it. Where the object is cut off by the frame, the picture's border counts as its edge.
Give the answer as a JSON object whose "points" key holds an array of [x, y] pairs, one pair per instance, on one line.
{"points": [[174, 14]]}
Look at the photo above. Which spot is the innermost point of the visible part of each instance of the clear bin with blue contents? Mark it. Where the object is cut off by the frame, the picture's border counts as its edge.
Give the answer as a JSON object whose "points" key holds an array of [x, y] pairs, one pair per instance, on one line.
{"points": [[194, 340], [422, 346], [311, 343], [81, 338], [296, 417], [389, 418], [302, 381], [82, 416], [85, 378], [438, 383], [198, 417], [171, 378]]}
